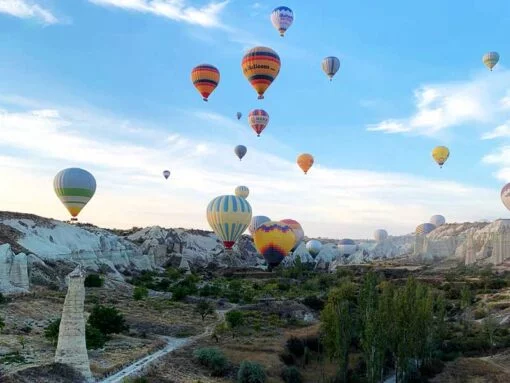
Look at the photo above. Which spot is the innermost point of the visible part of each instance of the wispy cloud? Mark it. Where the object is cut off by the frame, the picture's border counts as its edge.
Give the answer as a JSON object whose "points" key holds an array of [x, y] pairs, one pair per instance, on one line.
{"points": [[499, 132], [178, 10], [26, 9]]}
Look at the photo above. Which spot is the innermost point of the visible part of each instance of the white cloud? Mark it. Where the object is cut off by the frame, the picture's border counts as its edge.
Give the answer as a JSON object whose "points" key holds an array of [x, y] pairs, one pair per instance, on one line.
{"points": [[389, 126], [177, 10], [501, 158], [26, 9], [498, 132]]}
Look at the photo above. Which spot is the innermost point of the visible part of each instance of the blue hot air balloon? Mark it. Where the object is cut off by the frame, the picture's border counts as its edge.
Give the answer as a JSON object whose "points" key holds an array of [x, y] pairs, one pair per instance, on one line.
{"points": [[240, 151]]}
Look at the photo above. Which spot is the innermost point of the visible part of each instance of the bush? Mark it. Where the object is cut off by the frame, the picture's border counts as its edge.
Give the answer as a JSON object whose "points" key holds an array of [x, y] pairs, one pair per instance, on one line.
{"points": [[179, 293], [287, 358], [251, 372], [291, 375], [213, 359], [94, 338], [479, 314], [295, 346], [235, 319], [140, 292], [313, 343], [108, 320], [51, 331], [3, 299], [314, 303], [93, 280]]}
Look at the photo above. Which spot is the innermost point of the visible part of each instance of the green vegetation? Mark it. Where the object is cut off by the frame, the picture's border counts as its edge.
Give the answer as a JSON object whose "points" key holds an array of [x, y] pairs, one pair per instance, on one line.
{"points": [[93, 280], [3, 299], [140, 292], [291, 375], [108, 320], [251, 372], [213, 359], [235, 320], [2, 324], [204, 308], [93, 337]]}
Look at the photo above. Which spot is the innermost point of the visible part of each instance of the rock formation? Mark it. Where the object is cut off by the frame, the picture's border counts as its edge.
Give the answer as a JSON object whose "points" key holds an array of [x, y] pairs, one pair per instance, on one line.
{"points": [[71, 347], [13, 271]]}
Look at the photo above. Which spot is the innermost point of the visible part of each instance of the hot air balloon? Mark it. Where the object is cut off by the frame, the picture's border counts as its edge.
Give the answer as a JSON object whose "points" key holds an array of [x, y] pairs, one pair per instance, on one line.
{"points": [[205, 77], [239, 115], [240, 151], [440, 155], [305, 162], [490, 59], [424, 228], [297, 229], [242, 191], [74, 187], [229, 216], [282, 18], [314, 247], [166, 174], [437, 220], [260, 66], [256, 221], [380, 235], [347, 247], [273, 240], [330, 65], [505, 195], [258, 120]]}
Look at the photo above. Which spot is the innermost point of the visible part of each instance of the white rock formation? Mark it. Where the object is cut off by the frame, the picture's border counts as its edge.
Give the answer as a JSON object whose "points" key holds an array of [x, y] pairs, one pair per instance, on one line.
{"points": [[13, 271], [71, 347]]}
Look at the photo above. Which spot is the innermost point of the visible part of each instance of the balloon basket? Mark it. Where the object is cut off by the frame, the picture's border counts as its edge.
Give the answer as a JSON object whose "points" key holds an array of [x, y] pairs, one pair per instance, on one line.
{"points": [[205, 99], [260, 97]]}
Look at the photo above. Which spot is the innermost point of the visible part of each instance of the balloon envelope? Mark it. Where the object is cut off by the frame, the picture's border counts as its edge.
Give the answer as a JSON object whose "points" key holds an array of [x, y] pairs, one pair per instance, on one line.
{"points": [[239, 115], [256, 221], [273, 240], [282, 18], [166, 173], [314, 247], [258, 120], [437, 220], [242, 191], [261, 66], [424, 228], [297, 229], [347, 247], [205, 78], [505, 195], [490, 59], [380, 235], [240, 151], [305, 162], [330, 65], [74, 187], [440, 155], [229, 216]]}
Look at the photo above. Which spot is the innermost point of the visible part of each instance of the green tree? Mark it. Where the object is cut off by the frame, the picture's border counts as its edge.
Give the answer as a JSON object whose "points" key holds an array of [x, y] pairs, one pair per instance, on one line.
{"points": [[235, 320], [140, 292], [108, 320], [490, 325], [251, 372], [51, 331], [2, 324], [93, 280], [204, 308], [94, 338], [22, 341], [466, 297]]}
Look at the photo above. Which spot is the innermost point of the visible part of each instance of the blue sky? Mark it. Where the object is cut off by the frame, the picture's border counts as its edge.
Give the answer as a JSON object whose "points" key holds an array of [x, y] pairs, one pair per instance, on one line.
{"points": [[105, 85]]}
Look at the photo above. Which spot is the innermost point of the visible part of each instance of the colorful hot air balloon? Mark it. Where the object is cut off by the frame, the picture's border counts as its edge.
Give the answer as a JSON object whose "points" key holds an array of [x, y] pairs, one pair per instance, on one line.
{"points": [[273, 240], [424, 228], [297, 229], [437, 220], [440, 155], [505, 195], [258, 120], [282, 18], [242, 191], [166, 173], [74, 187], [260, 66], [240, 151], [256, 221], [380, 235], [490, 59], [347, 247], [205, 77], [305, 162], [330, 65], [229, 216], [239, 115], [314, 247]]}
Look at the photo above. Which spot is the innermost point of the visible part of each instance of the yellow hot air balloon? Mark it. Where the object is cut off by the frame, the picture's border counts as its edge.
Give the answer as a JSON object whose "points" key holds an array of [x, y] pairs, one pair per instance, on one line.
{"points": [[274, 240], [305, 162], [260, 66], [440, 155]]}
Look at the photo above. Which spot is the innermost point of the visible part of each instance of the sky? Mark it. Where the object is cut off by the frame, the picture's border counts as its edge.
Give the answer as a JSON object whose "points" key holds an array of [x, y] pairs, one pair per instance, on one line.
{"points": [[105, 85]]}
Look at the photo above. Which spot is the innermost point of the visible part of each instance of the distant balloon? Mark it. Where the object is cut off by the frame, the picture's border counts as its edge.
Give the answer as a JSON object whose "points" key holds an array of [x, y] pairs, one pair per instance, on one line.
{"points": [[258, 120], [282, 18], [273, 240], [380, 235], [330, 65], [305, 162], [229, 216], [490, 59], [347, 247], [205, 78], [74, 187], [297, 229], [424, 228], [256, 221], [242, 191], [240, 151], [505, 195], [440, 155], [314, 247], [239, 115], [437, 220], [261, 66], [166, 174]]}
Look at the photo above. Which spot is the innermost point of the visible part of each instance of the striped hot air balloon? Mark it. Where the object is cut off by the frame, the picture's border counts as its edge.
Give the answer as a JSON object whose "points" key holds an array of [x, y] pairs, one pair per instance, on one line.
{"points": [[330, 65], [305, 162], [205, 78], [274, 240], [229, 216], [297, 229], [242, 191], [282, 18], [74, 187], [490, 59], [260, 66], [256, 221], [258, 120], [314, 247], [424, 228]]}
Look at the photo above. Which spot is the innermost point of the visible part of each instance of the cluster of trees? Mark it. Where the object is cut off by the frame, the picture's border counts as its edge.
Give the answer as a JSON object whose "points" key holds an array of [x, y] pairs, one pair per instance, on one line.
{"points": [[394, 326]]}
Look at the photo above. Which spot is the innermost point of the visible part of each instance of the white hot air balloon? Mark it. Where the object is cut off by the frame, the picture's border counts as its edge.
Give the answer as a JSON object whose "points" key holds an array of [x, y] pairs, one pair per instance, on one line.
{"points": [[256, 221], [380, 235], [437, 220], [314, 247], [347, 247]]}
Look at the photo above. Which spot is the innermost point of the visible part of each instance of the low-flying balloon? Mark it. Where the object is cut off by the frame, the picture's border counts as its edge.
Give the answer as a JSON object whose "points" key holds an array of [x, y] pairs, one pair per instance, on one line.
{"points": [[260, 66], [424, 228], [330, 65], [440, 155], [297, 229], [166, 173], [258, 120], [256, 221], [380, 235], [205, 78], [228, 216], [74, 187], [437, 220], [242, 191], [505, 195], [305, 162], [239, 115], [314, 247], [347, 247], [282, 18], [490, 59], [240, 151], [274, 240]]}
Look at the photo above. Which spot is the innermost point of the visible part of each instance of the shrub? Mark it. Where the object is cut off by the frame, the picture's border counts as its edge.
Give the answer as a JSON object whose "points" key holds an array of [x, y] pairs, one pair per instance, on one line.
{"points": [[2, 324], [314, 303], [94, 337], [3, 299], [108, 320], [51, 331], [295, 346], [251, 372], [480, 313], [287, 358], [204, 308], [291, 375], [179, 293], [93, 280], [140, 292], [313, 343], [213, 359]]}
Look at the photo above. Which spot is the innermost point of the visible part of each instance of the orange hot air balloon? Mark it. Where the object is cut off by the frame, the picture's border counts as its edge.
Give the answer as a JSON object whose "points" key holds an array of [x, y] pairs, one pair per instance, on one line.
{"points": [[205, 78], [260, 66], [305, 161]]}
